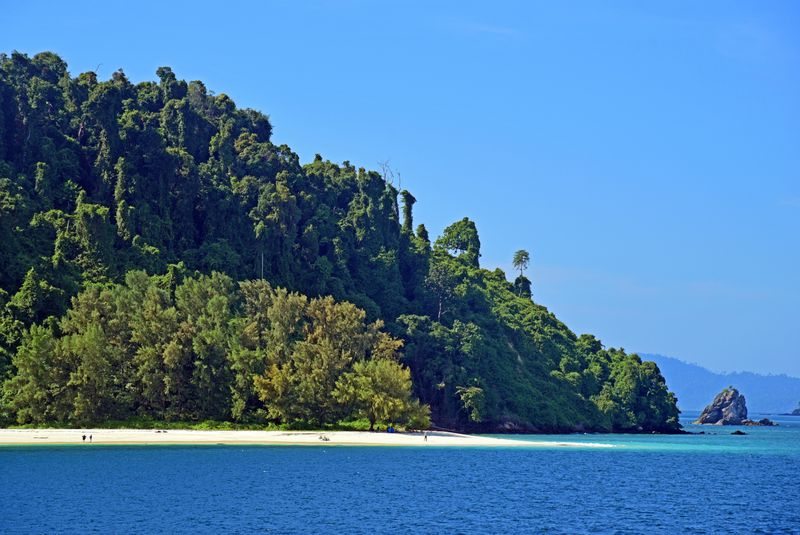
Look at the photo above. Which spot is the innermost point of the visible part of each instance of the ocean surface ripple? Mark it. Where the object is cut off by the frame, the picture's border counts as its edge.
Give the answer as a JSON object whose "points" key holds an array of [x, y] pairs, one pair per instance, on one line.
{"points": [[713, 483]]}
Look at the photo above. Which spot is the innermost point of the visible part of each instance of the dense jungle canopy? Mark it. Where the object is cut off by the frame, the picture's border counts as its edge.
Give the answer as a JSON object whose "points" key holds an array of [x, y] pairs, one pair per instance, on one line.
{"points": [[161, 257]]}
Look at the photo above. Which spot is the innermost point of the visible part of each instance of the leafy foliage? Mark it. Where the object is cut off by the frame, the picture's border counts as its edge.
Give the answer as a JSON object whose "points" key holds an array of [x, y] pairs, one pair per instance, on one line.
{"points": [[105, 182], [208, 351], [521, 260]]}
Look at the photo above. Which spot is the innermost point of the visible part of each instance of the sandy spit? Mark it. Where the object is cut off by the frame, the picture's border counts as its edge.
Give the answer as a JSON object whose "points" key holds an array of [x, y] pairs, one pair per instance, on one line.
{"points": [[299, 438]]}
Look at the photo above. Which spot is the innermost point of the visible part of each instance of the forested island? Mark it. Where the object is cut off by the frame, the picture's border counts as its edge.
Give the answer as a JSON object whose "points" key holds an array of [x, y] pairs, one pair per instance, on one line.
{"points": [[163, 259]]}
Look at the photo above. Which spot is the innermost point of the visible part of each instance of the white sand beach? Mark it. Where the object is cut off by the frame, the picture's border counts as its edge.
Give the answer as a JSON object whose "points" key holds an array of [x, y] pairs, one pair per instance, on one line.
{"points": [[305, 438]]}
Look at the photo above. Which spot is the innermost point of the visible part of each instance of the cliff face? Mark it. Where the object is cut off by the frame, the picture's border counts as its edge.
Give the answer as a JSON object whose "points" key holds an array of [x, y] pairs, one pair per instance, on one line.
{"points": [[728, 408]]}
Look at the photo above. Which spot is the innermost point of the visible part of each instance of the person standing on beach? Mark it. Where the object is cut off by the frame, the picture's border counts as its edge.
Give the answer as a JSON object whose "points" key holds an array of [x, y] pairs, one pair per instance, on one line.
{"points": [[425, 434], [90, 438], [84, 438]]}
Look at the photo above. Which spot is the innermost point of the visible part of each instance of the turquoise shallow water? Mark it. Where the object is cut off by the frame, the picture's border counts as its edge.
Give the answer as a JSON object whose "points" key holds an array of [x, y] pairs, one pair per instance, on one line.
{"points": [[783, 439], [713, 483]]}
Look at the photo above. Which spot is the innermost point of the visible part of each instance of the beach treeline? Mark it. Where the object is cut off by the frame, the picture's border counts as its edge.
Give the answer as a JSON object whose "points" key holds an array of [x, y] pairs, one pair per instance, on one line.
{"points": [[188, 348], [168, 195]]}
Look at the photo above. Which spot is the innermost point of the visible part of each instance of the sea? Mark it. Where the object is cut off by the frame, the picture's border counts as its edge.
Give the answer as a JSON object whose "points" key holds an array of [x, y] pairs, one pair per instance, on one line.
{"points": [[699, 483]]}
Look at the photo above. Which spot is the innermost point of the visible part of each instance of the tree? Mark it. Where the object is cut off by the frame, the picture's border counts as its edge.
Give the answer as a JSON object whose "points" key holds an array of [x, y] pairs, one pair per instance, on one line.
{"points": [[249, 353], [301, 376], [154, 324], [473, 399], [35, 393], [378, 390], [441, 282], [408, 208], [521, 261], [461, 239], [204, 305], [93, 379], [522, 284]]}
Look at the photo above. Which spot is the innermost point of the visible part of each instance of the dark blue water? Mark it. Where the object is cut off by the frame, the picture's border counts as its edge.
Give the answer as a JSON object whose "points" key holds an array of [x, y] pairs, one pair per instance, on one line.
{"points": [[713, 483]]}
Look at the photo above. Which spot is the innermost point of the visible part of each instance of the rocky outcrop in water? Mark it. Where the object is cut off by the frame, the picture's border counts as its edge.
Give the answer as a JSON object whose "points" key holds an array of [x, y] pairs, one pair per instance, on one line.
{"points": [[728, 408], [762, 421]]}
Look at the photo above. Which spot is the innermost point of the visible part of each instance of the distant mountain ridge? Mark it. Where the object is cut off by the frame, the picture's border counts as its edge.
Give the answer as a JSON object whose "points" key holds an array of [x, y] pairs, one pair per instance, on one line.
{"points": [[696, 386]]}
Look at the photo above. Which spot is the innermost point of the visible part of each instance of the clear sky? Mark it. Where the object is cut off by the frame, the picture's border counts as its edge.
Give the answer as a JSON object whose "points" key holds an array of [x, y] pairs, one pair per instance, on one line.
{"points": [[648, 156]]}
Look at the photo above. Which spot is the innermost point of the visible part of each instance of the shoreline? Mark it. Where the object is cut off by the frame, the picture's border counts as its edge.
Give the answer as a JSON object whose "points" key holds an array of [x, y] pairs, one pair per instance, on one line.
{"points": [[155, 437]]}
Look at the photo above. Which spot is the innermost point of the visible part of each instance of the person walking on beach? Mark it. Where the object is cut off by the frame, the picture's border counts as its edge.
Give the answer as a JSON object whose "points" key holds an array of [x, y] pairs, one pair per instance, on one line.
{"points": [[84, 438], [425, 434], [90, 438]]}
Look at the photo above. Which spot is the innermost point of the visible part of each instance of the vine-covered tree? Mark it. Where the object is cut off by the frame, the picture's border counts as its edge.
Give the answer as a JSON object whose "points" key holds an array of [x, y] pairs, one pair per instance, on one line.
{"points": [[461, 240]]}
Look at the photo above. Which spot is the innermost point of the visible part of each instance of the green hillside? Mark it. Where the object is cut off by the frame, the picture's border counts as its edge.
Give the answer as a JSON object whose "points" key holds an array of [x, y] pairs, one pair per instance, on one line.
{"points": [[162, 258]]}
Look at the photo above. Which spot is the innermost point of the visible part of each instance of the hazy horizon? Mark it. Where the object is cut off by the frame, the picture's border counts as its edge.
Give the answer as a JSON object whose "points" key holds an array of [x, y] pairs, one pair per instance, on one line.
{"points": [[647, 354]]}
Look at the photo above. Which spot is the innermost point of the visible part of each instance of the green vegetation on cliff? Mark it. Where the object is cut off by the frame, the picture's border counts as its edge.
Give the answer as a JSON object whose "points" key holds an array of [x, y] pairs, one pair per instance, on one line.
{"points": [[105, 182]]}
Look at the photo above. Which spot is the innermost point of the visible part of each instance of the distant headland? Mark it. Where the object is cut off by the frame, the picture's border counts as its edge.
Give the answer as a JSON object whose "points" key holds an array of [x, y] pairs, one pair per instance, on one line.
{"points": [[694, 386]]}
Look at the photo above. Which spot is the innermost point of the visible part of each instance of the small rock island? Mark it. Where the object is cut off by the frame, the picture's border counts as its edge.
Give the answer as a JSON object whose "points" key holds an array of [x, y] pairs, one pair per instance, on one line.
{"points": [[728, 408]]}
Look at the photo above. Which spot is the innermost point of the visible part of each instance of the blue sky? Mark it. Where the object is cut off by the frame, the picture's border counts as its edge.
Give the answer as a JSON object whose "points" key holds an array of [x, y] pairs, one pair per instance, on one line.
{"points": [[648, 156]]}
